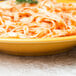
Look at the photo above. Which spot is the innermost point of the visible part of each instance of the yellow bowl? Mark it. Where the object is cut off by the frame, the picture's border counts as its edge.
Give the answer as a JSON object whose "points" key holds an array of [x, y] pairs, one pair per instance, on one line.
{"points": [[34, 47], [66, 1], [37, 46]]}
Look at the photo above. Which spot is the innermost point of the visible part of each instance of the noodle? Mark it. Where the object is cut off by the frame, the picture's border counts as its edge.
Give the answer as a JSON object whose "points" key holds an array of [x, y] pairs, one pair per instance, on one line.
{"points": [[45, 19]]}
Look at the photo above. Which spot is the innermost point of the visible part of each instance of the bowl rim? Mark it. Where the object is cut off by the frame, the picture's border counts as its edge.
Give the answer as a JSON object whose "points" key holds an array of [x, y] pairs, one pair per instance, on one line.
{"points": [[39, 40]]}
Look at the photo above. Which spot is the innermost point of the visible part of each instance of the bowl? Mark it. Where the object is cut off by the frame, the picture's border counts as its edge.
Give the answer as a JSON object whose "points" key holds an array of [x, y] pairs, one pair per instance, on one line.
{"points": [[36, 47]]}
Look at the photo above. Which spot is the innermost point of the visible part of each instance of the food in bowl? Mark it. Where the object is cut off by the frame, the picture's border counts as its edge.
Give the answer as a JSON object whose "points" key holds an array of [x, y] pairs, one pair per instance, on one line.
{"points": [[43, 19]]}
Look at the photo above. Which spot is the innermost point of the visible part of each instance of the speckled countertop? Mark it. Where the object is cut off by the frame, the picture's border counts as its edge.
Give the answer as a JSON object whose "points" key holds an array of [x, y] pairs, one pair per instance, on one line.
{"points": [[63, 64]]}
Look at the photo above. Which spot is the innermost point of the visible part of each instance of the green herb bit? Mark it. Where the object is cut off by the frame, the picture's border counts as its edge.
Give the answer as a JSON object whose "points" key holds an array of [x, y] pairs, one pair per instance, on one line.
{"points": [[28, 1]]}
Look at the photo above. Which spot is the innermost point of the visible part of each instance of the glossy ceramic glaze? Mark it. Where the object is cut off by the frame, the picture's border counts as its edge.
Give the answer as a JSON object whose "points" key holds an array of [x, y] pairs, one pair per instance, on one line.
{"points": [[36, 46], [66, 1]]}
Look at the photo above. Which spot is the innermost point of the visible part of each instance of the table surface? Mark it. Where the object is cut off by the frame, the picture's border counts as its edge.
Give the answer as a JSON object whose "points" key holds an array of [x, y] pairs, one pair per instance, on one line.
{"points": [[63, 64]]}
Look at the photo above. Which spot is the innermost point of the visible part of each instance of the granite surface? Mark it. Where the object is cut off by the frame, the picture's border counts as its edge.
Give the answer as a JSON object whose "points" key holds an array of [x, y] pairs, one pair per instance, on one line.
{"points": [[63, 64]]}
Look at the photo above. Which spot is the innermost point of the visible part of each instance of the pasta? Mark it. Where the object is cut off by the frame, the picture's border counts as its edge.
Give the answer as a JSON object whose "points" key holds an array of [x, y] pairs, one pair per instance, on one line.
{"points": [[46, 19]]}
